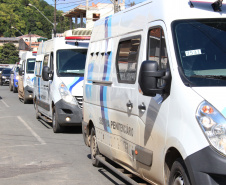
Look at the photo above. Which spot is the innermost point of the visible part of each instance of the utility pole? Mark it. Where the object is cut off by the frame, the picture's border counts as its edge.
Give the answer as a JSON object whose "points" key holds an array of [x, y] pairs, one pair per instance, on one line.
{"points": [[116, 5], [54, 29]]}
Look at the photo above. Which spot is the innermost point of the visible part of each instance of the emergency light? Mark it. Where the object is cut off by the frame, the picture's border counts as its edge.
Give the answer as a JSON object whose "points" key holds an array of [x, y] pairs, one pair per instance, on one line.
{"points": [[77, 38]]}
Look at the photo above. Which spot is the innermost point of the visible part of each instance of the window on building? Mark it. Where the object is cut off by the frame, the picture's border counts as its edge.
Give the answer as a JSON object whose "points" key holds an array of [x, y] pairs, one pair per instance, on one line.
{"points": [[96, 16]]}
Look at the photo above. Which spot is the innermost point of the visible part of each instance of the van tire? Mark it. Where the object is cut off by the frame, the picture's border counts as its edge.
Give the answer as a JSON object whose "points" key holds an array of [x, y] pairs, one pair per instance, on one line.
{"points": [[25, 101], [14, 89], [56, 126], [10, 86], [94, 149], [36, 110], [178, 173]]}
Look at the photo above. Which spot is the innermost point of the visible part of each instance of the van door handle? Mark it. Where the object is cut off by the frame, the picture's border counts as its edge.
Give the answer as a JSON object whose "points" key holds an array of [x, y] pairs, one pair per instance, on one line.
{"points": [[129, 105], [46, 86], [142, 107]]}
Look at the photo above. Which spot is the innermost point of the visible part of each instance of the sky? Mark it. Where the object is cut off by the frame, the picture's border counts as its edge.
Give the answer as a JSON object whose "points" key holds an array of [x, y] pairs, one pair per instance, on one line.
{"points": [[66, 5]]}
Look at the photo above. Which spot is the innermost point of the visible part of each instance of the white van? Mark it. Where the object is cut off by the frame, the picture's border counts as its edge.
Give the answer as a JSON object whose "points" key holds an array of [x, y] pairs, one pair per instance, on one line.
{"points": [[26, 76], [154, 91], [58, 84]]}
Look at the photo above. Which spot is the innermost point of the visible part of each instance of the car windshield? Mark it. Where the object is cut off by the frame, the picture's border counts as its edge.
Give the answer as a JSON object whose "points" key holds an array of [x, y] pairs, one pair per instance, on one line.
{"points": [[201, 51], [71, 62], [30, 65], [6, 71]]}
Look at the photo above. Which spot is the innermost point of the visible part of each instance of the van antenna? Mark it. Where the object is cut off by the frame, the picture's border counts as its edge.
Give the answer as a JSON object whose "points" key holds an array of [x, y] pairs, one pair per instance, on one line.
{"points": [[216, 5]]}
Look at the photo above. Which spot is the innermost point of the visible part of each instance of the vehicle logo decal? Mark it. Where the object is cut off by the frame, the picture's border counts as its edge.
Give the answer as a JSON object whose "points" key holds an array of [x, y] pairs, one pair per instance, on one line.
{"points": [[74, 83]]}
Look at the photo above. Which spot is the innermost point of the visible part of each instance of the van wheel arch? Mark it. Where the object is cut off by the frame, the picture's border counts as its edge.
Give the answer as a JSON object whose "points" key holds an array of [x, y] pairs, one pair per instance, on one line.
{"points": [[171, 156], [88, 132]]}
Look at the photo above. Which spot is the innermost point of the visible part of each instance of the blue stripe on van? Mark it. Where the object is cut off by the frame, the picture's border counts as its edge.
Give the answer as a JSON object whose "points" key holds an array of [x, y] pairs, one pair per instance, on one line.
{"points": [[75, 82], [108, 57], [39, 83], [106, 75], [104, 109], [224, 112]]}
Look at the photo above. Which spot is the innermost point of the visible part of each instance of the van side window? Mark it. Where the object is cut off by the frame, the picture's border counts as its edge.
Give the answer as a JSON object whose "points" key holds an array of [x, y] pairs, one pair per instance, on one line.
{"points": [[38, 68], [51, 61], [126, 60], [46, 59], [157, 50]]}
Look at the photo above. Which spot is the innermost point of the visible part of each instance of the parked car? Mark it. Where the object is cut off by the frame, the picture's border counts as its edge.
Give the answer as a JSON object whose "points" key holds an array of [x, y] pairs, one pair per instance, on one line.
{"points": [[1, 68], [4, 76], [13, 80]]}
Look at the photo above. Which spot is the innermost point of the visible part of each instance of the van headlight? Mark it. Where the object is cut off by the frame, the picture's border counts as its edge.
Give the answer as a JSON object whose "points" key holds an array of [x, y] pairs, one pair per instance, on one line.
{"points": [[66, 95], [213, 124], [3, 77]]}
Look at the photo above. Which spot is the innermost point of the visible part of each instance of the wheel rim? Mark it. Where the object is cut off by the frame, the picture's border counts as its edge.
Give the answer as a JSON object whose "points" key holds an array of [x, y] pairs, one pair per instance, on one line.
{"points": [[94, 147], [178, 179]]}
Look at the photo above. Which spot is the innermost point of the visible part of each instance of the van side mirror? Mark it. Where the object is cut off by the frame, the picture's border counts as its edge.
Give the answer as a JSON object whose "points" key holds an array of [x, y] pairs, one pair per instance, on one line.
{"points": [[11, 72], [46, 73], [21, 72], [148, 78]]}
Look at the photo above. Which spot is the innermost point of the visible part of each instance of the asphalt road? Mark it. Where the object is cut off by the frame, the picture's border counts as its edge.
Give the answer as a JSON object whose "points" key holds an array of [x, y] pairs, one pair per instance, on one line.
{"points": [[30, 153]]}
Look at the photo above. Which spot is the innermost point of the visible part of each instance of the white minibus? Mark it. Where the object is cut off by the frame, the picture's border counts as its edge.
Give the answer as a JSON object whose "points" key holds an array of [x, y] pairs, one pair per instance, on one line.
{"points": [[155, 91]]}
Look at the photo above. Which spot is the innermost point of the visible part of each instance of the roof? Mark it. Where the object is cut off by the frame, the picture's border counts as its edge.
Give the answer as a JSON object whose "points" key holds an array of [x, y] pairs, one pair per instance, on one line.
{"points": [[30, 35], [8, 39], [81, 9]]}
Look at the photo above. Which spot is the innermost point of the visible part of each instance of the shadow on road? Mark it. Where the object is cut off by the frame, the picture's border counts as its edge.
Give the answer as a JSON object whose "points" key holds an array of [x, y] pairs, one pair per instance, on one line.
{"points": [[67, 130]]}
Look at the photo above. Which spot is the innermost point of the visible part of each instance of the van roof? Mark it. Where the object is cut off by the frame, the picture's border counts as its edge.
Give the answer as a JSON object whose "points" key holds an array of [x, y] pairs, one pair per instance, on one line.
{"points": [[137, 17], [60, 43], [28, 54]]}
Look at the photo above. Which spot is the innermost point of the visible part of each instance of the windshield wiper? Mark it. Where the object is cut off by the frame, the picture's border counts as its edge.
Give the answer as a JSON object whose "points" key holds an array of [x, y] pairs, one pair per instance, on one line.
{"points": [[222, 77]]}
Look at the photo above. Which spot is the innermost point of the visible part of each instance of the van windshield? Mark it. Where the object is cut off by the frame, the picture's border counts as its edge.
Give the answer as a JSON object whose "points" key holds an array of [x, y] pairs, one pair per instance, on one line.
{"points": [[201, 51], [30, 65], [71, 62]]}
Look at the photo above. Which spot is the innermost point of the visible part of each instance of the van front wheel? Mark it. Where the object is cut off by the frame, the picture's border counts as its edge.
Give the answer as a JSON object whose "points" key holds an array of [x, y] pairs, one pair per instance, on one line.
{"points": [[56, 126], [178, 174], [94, 149]]}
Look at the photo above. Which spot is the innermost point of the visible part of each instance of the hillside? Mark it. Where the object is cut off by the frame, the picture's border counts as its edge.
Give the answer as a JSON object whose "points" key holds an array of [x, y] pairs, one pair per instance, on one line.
{"points": [[27, 19]]}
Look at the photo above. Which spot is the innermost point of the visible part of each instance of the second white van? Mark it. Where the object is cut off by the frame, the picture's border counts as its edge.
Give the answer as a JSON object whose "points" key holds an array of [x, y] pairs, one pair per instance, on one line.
{"points": [[58, 84]]}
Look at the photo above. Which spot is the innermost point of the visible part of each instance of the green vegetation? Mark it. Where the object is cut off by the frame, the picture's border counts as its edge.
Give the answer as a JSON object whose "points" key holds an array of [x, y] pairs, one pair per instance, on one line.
{"points": [[9, 54], [17, 14]]}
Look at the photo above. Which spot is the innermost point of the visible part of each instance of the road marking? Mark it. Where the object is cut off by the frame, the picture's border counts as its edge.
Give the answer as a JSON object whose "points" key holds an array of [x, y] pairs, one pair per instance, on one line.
{"points": [[5, 103], [32, 131]]}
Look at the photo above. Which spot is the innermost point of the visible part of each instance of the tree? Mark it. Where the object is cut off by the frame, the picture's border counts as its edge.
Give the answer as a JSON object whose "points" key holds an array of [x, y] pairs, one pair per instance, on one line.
{"points": [[132, 4], [9, 54]]}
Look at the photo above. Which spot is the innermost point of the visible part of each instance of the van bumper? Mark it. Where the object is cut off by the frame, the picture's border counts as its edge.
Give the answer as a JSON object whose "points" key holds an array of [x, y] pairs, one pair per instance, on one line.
{"points": [[206, 167], [28, 93], [65, 110]]}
